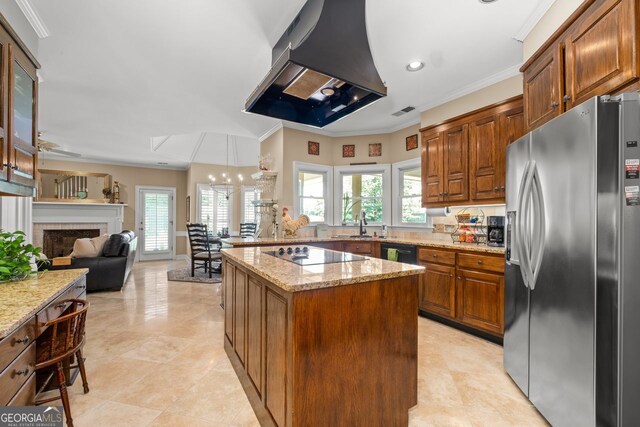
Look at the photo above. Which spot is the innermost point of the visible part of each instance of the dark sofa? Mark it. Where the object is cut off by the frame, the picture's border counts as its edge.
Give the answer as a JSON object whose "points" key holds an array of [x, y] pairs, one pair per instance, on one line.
{"points": [[111, 270]]}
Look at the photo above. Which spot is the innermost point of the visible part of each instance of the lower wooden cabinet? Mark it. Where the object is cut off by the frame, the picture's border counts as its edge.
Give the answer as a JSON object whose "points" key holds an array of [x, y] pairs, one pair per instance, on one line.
{"points": [[481, 300], [276, 357], [239, 313], [438, 289], [229, 274], [254, 332], [466, 288]]}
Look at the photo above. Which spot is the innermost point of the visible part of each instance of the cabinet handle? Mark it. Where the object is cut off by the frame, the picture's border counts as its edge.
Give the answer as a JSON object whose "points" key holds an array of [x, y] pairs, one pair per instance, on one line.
{"points": [[496, 188], [24, 372], [435, 256], [502, 188], [21, 340], [459, 278], [81, 286], [566, 98], [446, 193], [554, 104], [451, 275], [61, 305], [480, 262]]}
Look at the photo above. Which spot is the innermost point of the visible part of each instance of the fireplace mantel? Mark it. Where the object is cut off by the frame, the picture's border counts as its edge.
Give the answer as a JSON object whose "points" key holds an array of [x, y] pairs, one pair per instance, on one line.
{"points": [[62, 215]]}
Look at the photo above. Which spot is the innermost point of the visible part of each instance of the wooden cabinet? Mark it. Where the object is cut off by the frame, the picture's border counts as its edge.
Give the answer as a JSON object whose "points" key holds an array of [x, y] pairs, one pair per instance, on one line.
{"points": [[360, 248], [18, 115], [333, 246], [254, 332], [464, 159], [463, 288], [228, 283], [594, 52], [276, 357], [481, 300], [239, 313]]}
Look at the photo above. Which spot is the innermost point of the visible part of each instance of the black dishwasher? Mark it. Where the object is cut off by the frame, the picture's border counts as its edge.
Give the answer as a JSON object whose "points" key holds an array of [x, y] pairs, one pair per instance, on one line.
{"points": [[406, 253]]}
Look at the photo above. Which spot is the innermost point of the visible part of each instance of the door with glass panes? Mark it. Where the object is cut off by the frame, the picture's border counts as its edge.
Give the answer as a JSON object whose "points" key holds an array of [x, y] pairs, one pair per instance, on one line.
{"points": [[155, 223]]}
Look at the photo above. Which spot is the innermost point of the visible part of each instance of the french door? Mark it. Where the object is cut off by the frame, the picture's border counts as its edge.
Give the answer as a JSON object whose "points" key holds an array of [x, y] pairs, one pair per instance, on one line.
{"points": [[155, 221]]}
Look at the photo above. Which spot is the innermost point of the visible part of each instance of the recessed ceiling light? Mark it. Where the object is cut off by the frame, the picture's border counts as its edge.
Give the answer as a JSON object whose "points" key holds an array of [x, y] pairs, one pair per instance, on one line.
{"points": [[487, 1], [415, 66], [327, 91]]}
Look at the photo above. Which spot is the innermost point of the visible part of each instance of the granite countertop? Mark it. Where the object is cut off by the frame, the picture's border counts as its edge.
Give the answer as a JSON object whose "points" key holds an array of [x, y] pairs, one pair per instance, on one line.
{"points": [[429, 242], [294, 278], [21, 300]]}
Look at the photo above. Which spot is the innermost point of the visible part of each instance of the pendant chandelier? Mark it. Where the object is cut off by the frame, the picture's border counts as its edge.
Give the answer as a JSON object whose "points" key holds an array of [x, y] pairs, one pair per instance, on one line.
{"points": [[225, 186]]}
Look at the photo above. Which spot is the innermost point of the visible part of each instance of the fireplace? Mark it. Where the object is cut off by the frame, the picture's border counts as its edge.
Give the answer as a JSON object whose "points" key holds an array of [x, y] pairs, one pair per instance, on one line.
{"points": [[60, 242]]}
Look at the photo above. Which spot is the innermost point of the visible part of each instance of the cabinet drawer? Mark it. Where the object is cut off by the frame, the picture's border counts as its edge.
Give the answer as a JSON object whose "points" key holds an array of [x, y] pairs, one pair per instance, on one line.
{"points": [[26, 396], [481, 262], [16, 374], [17, 342], [56, 308], [436, 256], [358, 248]]}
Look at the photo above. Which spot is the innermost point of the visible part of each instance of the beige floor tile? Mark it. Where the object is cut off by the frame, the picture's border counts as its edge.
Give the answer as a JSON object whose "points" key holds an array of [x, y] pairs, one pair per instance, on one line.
{"points": [[111, 414], [168, 419], [159, 349]]}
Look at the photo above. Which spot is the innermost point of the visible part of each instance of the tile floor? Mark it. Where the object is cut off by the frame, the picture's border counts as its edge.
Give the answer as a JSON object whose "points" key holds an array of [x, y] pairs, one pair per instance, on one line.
{"points": [[155, 358]]}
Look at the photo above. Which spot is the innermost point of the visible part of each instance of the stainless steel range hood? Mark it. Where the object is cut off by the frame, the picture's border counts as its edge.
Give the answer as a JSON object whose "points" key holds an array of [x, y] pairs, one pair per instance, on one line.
{"points": [[322, 68]]}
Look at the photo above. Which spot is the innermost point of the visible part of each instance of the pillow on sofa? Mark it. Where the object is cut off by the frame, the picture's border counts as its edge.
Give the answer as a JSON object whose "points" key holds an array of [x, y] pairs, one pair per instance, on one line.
{"points": [[113, 245], [89, 248]]}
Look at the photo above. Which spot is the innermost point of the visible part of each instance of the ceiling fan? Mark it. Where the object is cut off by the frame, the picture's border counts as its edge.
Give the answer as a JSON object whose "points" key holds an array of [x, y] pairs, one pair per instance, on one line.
{"points": [[52, 147]]}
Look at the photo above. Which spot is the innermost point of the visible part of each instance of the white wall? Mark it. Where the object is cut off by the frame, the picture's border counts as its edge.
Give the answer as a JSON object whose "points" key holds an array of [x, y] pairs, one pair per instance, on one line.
{"points": [[17, 20], [16, 214]]}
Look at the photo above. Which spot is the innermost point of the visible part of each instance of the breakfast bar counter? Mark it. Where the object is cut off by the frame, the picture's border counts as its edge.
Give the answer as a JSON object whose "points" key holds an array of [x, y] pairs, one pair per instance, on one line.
{"points": [[303, 335]]}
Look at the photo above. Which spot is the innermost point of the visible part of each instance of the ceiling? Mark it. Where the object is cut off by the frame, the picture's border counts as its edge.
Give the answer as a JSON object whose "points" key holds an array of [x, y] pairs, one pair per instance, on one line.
{"points": [[119, 76]]}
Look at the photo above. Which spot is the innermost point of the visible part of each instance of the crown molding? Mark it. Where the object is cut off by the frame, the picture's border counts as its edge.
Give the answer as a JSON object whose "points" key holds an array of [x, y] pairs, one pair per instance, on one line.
{"points": [[106, 161], [271, 131], [533, 20], [34, 18]]}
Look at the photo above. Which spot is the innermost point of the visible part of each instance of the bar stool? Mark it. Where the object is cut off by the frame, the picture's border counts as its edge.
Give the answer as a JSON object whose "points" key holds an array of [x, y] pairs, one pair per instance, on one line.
{"points": [[63, 338]]}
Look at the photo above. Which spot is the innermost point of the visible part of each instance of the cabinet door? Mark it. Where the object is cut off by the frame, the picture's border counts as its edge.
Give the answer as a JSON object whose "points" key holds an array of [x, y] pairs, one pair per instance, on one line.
{"points": [[456, 164], [228, 277], [254, 332], [600, 51], [360, 248], [481, 300], [485, 156], [334, 246], [23, 93], [438, 290], [276, 357], [239, 314], [4, 136], [432, 169], [511, 129], [543, 89]]}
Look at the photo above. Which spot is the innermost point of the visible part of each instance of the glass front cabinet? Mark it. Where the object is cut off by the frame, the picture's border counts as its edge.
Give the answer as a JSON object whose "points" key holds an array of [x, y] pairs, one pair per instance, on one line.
{"points": [[18, 115]]}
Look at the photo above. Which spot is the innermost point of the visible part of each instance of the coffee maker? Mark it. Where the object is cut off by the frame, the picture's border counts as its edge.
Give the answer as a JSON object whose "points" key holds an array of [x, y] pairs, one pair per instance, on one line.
{"points": [[495, 231]]}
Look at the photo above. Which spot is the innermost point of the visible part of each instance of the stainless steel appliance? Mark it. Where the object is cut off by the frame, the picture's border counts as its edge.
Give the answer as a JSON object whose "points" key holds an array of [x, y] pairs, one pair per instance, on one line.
{"points": [[495, 231], [302, 255], [406, 253], [572, 287]]}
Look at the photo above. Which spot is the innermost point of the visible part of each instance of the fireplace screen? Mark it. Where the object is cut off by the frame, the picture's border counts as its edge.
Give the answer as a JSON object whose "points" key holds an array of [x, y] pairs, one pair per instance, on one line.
{"points": [[60, 242]]}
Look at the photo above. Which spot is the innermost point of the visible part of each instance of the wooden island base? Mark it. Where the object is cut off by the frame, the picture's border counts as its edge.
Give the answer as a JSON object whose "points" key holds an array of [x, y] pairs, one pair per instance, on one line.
{"points": [[336, 356]]}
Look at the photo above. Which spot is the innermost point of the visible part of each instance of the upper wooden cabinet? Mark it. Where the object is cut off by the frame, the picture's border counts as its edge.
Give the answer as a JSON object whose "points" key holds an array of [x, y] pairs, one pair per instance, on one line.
{"points": [[18, 115], [463, 159], [593, 53]]}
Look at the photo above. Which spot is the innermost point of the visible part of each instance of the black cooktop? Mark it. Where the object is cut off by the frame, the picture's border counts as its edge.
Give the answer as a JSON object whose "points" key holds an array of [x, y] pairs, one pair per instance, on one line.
{"points": [[313, 256]]}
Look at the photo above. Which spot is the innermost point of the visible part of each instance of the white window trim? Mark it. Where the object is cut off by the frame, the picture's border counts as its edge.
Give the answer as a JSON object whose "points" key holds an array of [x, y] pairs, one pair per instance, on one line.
{"points": [[207, 187], [385, 169], [396, 193], [328, 188], [245, 189], [138, 219]]}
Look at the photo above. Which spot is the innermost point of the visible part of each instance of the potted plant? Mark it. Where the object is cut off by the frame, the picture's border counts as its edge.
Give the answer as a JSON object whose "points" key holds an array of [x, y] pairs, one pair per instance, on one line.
{"points": [[106, 192], [16, 256]]}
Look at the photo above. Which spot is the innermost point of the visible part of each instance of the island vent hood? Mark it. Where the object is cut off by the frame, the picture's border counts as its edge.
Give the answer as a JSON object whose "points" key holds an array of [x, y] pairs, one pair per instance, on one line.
{"points": [[321, 68]]}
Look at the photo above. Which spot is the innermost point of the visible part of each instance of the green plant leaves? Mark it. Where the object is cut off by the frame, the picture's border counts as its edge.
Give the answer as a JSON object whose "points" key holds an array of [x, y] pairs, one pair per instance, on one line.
{"points": [[16, 256]]}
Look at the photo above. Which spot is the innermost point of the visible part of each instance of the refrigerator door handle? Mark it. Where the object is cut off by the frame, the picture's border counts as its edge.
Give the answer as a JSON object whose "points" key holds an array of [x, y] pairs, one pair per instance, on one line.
{"points": [[523, 237], [539, 232]]}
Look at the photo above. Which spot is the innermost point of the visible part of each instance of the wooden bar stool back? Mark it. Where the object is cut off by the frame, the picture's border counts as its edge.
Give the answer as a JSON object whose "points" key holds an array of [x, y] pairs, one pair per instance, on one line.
{"points": [[62, 339]]}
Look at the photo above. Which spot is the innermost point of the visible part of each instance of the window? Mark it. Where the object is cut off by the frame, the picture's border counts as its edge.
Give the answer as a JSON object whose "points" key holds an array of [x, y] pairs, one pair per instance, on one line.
{"points": [[407, 194], [365, 189], [214, 209], [248, 210], [313, 192]]}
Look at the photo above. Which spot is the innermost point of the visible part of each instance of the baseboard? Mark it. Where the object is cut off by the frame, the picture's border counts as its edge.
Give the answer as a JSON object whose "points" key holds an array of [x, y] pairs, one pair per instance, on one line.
{"points": [[183, 257]]}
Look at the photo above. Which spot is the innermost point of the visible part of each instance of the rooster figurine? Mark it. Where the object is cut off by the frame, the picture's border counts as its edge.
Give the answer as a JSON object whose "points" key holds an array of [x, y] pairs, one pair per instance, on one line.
{"points": [[291, 226]]}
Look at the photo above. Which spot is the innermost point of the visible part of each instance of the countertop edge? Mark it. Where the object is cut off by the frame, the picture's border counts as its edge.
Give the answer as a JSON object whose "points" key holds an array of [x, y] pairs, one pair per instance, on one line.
{"points": [[18, 323], [324, 284]]}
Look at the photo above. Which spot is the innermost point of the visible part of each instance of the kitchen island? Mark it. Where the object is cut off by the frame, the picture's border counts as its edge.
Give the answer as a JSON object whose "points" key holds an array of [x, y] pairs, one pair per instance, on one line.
{"points": [[322, 344]]}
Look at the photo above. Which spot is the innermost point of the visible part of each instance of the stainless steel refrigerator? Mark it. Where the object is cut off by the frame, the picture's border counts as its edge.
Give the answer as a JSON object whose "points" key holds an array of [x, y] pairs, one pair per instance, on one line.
{"points": [[572, 274]]}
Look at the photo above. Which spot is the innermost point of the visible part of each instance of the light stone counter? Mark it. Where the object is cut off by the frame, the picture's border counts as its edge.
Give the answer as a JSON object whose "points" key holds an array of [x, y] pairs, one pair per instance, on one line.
{"points": [[21, 300], [427, 242], [294, 278]]}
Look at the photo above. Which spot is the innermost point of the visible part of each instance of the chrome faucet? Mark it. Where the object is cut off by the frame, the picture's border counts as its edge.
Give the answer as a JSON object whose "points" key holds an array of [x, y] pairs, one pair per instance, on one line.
{"points": [[363, 221]]}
